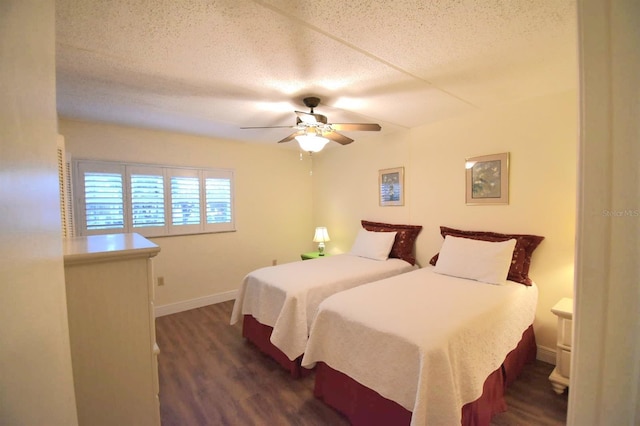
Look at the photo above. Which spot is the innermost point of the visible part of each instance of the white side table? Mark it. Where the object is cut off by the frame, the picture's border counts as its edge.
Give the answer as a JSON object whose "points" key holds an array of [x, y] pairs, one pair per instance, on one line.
{"points": [[560, 375]]}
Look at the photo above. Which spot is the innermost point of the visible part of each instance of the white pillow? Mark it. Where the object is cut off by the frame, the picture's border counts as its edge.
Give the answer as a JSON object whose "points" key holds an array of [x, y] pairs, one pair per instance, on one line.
{"points": [[478, 260], [373, 245]]}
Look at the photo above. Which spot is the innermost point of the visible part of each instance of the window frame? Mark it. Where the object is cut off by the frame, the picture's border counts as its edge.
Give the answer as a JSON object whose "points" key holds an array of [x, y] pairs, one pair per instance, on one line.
{"points": [[126, 170]]}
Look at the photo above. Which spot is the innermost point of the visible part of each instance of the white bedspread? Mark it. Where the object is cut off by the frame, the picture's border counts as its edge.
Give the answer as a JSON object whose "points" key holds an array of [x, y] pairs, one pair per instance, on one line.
{"points": [[286, 297], [424, 340]]}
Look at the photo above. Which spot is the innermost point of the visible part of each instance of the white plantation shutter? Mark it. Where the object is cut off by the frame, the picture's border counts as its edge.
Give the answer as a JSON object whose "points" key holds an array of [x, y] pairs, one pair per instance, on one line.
{"points": [[66, 195], [100, 198], [152, 200], [104, 200], [62, 184], [146, 185], [219, 200], [147, 200], [185, 200]]}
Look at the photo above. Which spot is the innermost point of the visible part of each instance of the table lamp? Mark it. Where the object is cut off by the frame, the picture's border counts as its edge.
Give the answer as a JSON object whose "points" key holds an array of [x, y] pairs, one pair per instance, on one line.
{"points": [[320, 237]]}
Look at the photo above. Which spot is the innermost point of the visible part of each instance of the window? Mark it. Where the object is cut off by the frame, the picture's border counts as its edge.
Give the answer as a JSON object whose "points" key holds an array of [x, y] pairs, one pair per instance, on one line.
{"points": [[147, 197], [218, 198], [151, 200], [185, 200]]}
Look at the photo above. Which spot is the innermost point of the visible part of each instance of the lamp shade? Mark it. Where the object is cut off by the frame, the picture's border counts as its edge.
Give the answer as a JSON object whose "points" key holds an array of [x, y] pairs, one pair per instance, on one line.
{"points": [[311, 142], [321, 235]]}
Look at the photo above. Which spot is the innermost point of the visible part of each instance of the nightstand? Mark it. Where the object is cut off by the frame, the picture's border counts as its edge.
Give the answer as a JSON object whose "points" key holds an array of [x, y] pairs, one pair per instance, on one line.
{"points": [[312, 255], [560, 375]]}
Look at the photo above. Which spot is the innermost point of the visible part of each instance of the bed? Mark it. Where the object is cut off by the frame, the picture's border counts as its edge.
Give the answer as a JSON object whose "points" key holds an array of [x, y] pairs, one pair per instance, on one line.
{"points": [[278, 303], [435, 346]]}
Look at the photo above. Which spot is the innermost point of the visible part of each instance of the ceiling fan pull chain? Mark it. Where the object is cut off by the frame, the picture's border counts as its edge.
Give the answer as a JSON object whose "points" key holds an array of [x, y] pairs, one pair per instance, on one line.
{"points": [[310, 162]]}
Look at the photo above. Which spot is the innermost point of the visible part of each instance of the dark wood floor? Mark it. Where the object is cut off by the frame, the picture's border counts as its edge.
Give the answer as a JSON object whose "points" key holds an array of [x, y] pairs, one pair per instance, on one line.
{"points": [[209, 375]]}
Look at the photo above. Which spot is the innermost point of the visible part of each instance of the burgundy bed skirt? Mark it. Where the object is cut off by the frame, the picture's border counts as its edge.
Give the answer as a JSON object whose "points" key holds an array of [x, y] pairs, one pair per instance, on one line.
{"points": [[363, 406], [259, 334]]}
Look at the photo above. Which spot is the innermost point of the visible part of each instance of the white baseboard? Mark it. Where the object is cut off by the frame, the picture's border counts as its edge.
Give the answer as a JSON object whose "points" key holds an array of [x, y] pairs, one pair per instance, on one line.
{"points": [[174, 308], [547, 355]]}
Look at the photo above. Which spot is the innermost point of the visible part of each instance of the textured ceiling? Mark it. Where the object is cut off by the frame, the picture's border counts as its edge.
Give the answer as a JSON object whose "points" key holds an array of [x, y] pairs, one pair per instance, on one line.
{"points": [[209, 67]]}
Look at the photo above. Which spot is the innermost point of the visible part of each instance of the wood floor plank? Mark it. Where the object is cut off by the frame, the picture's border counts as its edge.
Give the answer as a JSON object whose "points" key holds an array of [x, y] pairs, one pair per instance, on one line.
{"points": [[209, 375]]}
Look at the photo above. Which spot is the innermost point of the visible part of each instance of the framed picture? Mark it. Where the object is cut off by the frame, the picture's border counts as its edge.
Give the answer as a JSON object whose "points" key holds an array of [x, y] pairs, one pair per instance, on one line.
{"points": [[487, 179], [391, 186]]}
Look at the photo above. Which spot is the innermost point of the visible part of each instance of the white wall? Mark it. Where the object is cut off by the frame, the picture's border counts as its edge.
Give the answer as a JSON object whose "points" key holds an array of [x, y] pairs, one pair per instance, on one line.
{"points": [[541, 136], [36, 383], [273, 205]]}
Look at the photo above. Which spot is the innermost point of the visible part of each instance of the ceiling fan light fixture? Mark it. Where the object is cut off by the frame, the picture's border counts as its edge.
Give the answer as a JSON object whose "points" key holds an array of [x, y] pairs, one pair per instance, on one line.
{"points": [[311, 142]]}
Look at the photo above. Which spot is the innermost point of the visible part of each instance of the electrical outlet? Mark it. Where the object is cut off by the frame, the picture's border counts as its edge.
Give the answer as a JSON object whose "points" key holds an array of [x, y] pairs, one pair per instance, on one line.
{"points": [[274, 262], [160, 281]]}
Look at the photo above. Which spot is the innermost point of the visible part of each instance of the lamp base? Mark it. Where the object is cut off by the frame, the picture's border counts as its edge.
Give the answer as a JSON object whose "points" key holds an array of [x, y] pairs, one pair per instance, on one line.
{"points": [[321, 249]]}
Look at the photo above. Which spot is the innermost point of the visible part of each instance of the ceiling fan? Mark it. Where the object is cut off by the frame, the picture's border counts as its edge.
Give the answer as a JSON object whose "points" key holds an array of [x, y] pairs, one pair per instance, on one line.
{"points": [[314, 131]]}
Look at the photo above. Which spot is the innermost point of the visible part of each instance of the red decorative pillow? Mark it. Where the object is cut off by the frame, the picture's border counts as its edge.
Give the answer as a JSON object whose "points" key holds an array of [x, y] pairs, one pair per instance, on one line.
{"points": [[405, 238], [521, 260]]}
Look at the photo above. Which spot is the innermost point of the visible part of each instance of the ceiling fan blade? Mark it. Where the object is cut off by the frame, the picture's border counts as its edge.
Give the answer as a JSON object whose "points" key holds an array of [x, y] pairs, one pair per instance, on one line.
{"points": [[337, 137], [292, 136], [311, 118], [270, 127], [348, 127]]}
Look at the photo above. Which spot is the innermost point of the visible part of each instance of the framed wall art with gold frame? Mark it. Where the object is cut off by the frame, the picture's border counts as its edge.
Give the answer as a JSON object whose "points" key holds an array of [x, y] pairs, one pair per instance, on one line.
{"points": [[487, 179]]}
